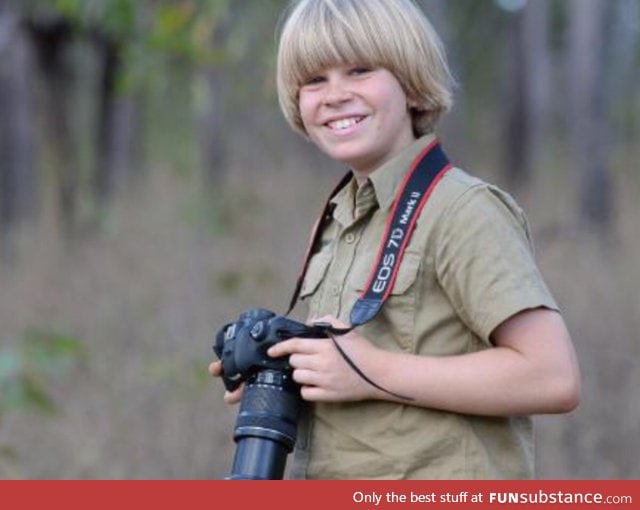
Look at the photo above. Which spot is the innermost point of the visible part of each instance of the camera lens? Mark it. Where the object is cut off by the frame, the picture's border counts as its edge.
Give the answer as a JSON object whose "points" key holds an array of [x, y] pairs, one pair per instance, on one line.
{"points": [[267, 425]]}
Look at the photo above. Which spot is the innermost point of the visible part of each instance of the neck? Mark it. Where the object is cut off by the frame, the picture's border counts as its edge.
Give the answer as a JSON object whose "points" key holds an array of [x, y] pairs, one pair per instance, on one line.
{"points": [[364, 168], [361, 177]]}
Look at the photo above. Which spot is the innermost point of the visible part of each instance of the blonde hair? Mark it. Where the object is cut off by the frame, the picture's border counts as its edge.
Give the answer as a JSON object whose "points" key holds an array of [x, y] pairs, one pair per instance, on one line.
{"points": [[393, 34]]}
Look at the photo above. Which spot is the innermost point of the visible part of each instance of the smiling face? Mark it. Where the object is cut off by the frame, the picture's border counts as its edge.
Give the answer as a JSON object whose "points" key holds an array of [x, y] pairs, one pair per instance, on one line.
{"points": [[356, 115], [384, 36]]}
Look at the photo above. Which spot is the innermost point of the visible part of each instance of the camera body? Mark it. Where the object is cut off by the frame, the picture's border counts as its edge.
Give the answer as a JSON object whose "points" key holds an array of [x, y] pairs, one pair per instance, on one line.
{"points": [[242, 345], [266, 427]]}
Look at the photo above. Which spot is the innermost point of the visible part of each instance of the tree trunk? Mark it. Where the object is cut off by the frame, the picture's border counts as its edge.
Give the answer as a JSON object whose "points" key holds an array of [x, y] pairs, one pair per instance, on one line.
{"points": [[528, 86], [116, 120], [213, 140], [588, 123], [18, 182], [52, 37], [439, 15], [624, 70]]}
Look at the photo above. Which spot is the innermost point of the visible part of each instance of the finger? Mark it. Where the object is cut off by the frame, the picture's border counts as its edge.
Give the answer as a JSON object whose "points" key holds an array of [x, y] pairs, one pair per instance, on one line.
{"points": [[314, 394], [215, 368], [302, 361], [235, 396], [306, 377], [295, 345]]}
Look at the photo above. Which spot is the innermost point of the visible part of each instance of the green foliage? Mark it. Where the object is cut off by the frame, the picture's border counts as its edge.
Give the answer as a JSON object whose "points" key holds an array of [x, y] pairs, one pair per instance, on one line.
{"points": [[25, 372], [149, 34], [114, 17]]}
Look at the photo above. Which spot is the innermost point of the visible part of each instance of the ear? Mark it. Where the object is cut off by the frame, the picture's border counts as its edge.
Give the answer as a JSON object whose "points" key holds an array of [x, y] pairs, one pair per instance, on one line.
{"points": [[413, 104]]}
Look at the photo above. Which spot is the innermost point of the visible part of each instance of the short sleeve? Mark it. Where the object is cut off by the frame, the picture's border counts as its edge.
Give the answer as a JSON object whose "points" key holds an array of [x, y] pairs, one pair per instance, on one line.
{"points": [[485, 261]]}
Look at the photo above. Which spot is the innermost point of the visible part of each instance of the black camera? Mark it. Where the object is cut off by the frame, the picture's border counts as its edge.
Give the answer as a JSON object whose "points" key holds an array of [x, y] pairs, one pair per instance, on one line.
{"points": [[266, 426], [242, 345]]}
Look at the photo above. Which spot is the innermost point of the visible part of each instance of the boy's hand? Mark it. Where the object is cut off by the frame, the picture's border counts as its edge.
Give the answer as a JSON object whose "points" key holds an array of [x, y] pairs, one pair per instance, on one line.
{"points": [[230, 397], [322, 372]]}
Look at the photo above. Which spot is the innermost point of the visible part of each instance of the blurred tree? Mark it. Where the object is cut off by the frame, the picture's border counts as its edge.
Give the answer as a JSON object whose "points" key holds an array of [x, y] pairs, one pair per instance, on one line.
{"points": [[528, 74], [440, 16], [115, 51], [239, 79], [128, 44], [623, 60], [51, 36], [212, 114], [474, 34], [17, 167], [589, 128], [105, 29], [117, 108]]}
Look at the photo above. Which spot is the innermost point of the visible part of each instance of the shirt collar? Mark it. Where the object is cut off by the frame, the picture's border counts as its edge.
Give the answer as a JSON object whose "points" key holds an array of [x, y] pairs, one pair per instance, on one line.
{"points": [[385, 182], [344, 203], [387, 179]]}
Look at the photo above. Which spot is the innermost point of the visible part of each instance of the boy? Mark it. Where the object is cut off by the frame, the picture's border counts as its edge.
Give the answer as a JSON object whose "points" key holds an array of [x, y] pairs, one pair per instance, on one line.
{"points": [[469, 341]]}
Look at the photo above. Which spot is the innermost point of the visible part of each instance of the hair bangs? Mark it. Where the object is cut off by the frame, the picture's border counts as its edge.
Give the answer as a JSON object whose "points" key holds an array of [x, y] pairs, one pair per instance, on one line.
{"points": [[329, 40]]}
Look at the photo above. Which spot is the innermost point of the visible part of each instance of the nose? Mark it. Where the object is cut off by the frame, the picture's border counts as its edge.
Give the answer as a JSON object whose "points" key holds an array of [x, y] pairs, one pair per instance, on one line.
{"points": [[337, 90]]}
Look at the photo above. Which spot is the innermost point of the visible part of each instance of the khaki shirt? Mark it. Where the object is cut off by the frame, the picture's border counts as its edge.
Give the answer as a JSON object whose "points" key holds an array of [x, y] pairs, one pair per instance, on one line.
{"points": [[468, 267]]}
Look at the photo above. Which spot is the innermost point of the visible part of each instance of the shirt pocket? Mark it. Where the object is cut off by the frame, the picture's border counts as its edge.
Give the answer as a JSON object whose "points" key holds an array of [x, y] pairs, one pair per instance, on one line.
{"points": [[397, 316], [316, 273], [407, 274]]}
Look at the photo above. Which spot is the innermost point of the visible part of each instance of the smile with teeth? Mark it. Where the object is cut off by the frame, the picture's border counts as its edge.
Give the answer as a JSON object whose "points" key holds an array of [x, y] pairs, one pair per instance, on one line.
{"points": [[341, 124]]}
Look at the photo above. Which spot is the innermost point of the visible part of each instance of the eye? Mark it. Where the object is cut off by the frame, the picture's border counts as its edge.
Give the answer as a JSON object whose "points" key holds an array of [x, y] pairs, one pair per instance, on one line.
{"points": [[358, 70], [313, 80]]}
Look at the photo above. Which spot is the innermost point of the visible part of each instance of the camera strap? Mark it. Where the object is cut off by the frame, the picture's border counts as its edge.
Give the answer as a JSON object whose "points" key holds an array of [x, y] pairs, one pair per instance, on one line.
{"points": [[424, 174]]}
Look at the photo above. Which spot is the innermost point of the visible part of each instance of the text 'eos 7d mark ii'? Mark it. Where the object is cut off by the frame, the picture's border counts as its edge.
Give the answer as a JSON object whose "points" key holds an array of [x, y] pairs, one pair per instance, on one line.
{"points": [[265, 430]]}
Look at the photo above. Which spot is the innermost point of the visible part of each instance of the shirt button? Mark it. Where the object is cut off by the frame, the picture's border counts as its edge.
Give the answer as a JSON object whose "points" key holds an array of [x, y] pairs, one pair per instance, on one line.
{"points": [[335, 290], [350, 238]]}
